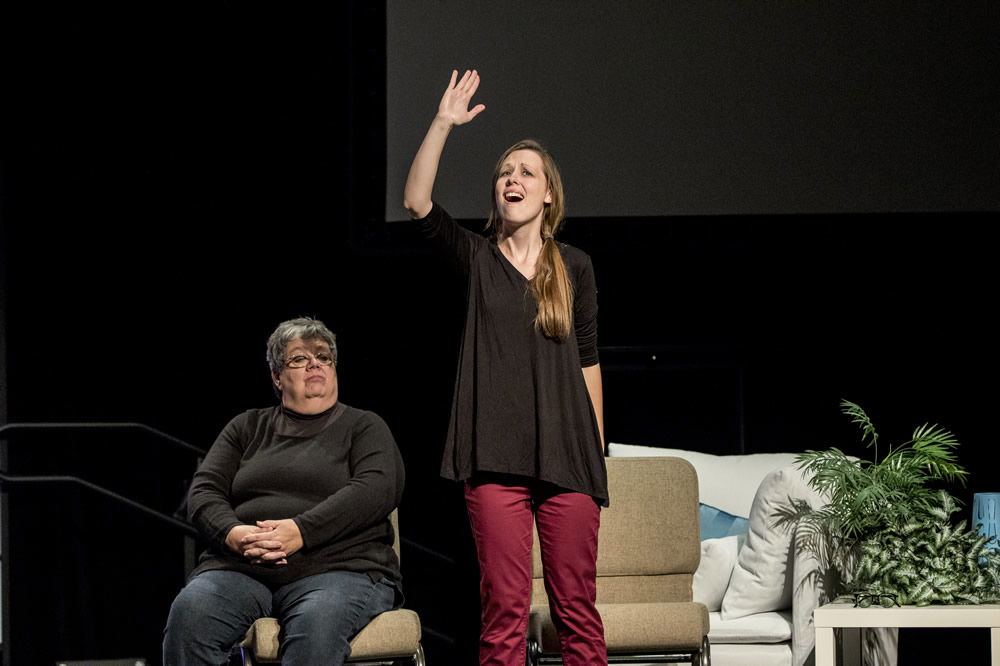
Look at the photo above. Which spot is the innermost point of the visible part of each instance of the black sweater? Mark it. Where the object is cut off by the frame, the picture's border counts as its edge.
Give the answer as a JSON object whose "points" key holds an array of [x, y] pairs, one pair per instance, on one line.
{"points": [[338, 477]]}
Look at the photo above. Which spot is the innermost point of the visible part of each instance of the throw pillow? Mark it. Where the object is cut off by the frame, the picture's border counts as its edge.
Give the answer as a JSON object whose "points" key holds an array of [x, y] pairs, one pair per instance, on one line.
{"points": [[716, 523], [762, 578], [718, 558]]}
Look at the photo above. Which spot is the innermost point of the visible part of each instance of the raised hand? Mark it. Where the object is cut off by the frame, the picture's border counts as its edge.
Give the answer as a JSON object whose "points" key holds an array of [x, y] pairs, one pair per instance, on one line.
{"points": [[452, 111], [454, 107]]}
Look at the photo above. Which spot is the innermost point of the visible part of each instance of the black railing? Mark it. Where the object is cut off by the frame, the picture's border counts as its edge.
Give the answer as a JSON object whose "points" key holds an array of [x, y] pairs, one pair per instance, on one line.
{"points": [[12, 428], [7, 480]]}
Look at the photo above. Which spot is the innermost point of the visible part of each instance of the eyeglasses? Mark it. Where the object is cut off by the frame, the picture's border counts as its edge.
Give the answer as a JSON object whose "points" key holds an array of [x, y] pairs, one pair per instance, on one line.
{"points": [[302, 360], [883, 600]]}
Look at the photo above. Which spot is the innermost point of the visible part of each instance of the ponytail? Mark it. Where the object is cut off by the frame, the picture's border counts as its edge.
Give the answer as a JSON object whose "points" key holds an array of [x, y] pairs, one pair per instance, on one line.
{"points": [[553, 292]]}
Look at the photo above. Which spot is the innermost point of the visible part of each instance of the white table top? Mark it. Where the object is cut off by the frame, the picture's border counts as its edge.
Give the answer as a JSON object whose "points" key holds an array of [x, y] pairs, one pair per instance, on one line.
{"points": [[844, 614]]}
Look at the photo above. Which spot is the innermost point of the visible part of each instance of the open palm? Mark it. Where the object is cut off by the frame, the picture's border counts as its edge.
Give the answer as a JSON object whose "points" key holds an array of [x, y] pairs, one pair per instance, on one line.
{"points": [[454, 106]]}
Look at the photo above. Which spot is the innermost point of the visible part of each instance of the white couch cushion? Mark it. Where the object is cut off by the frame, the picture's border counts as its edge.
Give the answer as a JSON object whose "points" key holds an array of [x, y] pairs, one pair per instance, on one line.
{"points": [[725, 482], [762, 578], [772, 627], [718, 559], [757, 654]]}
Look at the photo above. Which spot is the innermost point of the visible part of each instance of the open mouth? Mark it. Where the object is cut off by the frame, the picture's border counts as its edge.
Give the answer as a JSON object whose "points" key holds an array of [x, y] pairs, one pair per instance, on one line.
{"points": [[513, 197]]}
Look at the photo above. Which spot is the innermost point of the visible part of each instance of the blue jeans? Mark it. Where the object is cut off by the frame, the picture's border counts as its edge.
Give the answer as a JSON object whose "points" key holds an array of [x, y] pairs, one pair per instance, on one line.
{"points": [[319, 616]]}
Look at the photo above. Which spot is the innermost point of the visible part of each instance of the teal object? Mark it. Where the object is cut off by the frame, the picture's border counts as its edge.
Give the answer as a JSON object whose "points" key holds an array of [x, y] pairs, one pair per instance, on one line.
{"points": [[716, 523], [986, 515]]}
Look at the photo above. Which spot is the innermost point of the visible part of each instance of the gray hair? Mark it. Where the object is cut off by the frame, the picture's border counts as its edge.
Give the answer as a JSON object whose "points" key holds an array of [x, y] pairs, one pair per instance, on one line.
{"points": [[305, 328]]}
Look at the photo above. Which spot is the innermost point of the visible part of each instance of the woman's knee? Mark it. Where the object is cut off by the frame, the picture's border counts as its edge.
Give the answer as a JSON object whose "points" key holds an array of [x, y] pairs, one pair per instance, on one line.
{"points": [[189, 609], [349, 599], [318, 625], [188, 635], [214, 602]]}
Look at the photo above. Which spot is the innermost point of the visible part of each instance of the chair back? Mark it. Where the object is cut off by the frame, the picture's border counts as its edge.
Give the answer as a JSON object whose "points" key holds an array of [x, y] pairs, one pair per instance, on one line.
{"points": [[394, 519], [648, 543]]}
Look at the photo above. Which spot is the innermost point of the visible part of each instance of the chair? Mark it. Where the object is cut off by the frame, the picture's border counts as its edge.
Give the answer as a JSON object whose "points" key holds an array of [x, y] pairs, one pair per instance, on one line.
{"points": [[392, 637], [648, 550]]}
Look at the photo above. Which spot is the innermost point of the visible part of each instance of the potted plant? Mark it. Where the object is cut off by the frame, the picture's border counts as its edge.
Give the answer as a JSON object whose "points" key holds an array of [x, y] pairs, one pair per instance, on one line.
{"points": [[887, 529]]}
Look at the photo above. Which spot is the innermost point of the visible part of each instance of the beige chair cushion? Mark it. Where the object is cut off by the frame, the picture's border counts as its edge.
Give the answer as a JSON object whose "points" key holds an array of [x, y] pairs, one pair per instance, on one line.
{"points": [[657, 627], [630, 589], [392, 634]]}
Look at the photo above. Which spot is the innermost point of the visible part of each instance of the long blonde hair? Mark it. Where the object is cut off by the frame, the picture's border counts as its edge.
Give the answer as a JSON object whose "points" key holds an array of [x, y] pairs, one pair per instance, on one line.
{"points": [[550, 286]]}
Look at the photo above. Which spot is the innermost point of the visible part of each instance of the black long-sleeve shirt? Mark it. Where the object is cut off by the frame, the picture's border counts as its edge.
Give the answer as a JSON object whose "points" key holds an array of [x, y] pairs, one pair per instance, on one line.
{"points": [[338, 476], [521, 404]]}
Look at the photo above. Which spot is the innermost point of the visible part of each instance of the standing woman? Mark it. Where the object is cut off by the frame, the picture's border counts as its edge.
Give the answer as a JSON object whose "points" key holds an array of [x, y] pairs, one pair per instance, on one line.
{"points": [[526, 431]]}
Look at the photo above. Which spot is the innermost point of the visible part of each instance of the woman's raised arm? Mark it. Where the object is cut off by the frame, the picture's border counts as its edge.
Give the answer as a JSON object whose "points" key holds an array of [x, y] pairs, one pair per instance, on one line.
{"points": [[453, 110]]}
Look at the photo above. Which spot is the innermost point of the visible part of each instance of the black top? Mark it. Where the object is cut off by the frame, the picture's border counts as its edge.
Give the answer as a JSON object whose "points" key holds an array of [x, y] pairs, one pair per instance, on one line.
{"points": [[338, 477], [520, 405]]}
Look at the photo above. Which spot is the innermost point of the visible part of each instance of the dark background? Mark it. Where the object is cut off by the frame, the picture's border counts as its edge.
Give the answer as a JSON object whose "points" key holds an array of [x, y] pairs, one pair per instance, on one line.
{"points": [[178, 178], [709, 107]]}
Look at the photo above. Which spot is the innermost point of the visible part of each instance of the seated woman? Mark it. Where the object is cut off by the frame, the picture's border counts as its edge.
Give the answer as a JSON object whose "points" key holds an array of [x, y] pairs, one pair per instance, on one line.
{"points": [[294, 501]]}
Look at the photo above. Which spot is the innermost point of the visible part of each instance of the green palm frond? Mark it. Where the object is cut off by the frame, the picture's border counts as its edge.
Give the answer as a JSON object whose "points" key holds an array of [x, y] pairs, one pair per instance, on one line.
{"points": [[886, 528], [859, 416], [934, 433]]}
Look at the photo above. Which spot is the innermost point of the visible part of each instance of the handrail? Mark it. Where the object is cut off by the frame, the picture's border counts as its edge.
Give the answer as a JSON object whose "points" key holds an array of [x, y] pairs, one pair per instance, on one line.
{"points": [[28, 427], [426, 551], [74, 480]]}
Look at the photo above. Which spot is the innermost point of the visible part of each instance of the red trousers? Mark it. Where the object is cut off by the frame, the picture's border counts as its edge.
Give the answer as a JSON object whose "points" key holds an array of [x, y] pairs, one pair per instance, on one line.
{"points": [[501, 516]]}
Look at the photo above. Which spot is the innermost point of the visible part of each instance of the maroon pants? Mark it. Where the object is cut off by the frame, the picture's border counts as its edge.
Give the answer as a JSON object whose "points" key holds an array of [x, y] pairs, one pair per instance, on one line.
{"points": [[501, 516]]}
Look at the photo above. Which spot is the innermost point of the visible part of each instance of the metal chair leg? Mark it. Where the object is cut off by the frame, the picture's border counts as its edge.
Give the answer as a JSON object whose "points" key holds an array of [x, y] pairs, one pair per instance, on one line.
{"points": [[706, 652], [240, 656], [531, 658]]}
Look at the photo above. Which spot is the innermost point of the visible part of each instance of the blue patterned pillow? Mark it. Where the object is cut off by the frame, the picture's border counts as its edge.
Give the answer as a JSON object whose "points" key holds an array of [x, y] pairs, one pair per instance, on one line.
{"points": [[716, 523]]}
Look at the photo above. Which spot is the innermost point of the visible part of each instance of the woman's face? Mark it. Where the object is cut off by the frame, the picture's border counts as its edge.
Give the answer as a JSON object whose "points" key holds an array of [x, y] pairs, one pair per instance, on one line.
{"points": [[312, 388], [521, 189]]}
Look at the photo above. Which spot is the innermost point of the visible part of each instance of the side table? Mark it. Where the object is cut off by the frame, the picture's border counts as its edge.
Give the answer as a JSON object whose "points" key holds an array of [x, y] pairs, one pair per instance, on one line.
{"points": [[844, 614]]}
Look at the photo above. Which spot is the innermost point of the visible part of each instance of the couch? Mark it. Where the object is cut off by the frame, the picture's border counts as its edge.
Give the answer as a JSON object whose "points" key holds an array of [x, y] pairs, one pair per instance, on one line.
{"points": [[759, 589]]}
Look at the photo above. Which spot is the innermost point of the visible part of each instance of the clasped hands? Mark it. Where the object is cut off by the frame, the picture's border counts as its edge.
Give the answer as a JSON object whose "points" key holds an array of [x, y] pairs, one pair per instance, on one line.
{"points": [[267, 542]]}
